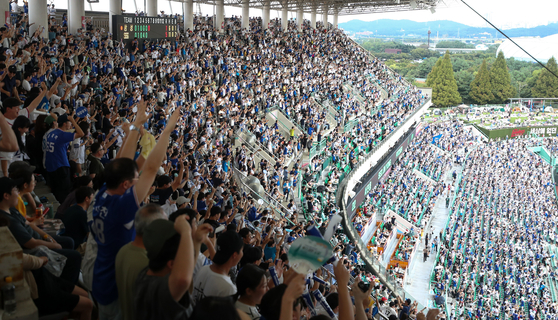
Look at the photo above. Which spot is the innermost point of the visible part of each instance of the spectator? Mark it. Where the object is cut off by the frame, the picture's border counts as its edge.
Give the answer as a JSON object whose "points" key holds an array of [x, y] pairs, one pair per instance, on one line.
{"points": [[83, 181], [114, 210], [132, 259], [55, 148], [75, 218], [162, 288], [96, 167], [29, 236], [251, 285], [214, 280]]}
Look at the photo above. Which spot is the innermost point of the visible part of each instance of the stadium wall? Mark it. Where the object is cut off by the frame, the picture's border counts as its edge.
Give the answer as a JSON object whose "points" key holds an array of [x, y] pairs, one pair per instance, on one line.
{"points": [[378, 173], [540, 131], [380, 150], [350, 182]]}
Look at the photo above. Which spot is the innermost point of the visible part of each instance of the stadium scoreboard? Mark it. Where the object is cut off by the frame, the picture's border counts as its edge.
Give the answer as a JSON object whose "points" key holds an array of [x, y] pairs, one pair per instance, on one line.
{"points": [[151, 28]]}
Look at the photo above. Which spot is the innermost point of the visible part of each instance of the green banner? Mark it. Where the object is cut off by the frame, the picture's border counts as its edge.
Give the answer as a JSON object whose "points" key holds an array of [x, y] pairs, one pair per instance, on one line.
{"points": [[539, 131]]}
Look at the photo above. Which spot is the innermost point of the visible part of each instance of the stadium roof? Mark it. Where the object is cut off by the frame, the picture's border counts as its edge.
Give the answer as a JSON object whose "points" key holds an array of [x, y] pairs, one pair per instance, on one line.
{"points": [[541, 48], [343, 7]]}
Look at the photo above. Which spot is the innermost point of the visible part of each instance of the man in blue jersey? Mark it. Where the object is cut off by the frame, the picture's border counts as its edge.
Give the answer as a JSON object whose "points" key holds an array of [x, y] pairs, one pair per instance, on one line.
{"points": [[55, 148], [115, 207]]}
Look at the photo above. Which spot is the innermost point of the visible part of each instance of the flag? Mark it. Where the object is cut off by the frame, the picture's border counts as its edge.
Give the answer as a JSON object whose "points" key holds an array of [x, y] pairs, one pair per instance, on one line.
{"points": [[437, 138]]}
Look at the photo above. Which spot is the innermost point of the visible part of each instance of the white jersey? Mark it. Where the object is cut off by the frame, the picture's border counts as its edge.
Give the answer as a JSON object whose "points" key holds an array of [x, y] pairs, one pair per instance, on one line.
{"points": [[77, 151]]}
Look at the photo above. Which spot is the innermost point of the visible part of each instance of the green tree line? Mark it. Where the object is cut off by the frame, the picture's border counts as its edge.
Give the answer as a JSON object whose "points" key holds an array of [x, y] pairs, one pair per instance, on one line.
{"points": [[480, 77]]}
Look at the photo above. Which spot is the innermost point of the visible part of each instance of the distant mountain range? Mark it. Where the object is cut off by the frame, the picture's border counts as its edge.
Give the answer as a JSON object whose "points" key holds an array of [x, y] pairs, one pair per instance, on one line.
{"points": [[442, 28]]}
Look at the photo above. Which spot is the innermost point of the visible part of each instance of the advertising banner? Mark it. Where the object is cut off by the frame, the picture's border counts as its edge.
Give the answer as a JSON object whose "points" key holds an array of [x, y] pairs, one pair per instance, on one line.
{"points": [[512, 133]]}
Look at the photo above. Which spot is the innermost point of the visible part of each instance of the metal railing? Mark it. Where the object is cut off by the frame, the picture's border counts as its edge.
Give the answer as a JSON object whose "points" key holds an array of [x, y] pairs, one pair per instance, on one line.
{"points": [[266, 197], [294, 123], [264, 154]]}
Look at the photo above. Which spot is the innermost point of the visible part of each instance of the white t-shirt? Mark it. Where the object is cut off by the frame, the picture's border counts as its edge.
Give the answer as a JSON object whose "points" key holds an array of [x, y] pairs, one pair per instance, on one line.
{"points": [[22, 112], [210, 284], [77, 151], [252, 312]]}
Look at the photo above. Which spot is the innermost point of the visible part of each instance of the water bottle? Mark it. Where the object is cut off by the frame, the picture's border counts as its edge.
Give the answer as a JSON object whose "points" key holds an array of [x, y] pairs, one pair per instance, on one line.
{"points": [[8, 296]]}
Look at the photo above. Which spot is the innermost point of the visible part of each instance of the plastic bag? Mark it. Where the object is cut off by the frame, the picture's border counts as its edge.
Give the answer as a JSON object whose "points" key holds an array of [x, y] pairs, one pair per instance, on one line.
{"points": [[56, 261]]}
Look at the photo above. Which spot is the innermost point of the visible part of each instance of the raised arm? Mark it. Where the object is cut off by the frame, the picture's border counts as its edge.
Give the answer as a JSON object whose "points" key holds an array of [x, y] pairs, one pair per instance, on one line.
{"points": [[128, 150], [8, 143], [35, 103], [155, 158]]}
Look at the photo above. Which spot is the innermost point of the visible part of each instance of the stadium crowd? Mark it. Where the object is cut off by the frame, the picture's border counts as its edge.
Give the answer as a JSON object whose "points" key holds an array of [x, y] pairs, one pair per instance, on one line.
{"points": [[137, 145], [494, 259], [433, 152]]}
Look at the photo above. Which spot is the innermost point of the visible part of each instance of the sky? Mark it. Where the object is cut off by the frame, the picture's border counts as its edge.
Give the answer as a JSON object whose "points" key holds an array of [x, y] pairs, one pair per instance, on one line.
{"points": [[503, 13]]}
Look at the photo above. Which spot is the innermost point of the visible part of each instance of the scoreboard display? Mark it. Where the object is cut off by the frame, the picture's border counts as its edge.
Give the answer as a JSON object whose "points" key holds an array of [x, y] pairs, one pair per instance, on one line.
{"points": [[126, 28]]}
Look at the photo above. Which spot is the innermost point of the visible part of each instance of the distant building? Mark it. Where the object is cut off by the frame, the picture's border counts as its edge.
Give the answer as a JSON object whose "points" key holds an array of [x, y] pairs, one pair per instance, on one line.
{"points": [[396, 51], [481, 47]]}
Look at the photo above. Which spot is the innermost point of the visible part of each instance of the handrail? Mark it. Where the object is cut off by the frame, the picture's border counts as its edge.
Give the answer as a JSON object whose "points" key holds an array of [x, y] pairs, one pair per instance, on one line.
{"points": [[263, 148], [265, 199], [286, 116]]}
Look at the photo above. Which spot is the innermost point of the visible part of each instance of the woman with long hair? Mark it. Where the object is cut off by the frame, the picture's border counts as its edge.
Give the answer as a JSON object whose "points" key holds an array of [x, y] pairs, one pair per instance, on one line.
{"points": [[35, 145], [21, 128], [251, 285]]}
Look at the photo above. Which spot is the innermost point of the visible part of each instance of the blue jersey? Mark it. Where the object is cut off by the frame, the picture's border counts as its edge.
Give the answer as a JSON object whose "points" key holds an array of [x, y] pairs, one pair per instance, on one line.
{"points": [[112, 227], [55, 147]]}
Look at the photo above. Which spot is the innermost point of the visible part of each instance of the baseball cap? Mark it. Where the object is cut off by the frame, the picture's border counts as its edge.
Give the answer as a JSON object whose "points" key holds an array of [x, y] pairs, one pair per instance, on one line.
{"points": [[384, 299], [155, 236], [20, 165], [49, 120], [62, 119], [182, 200], [228, 243], [12, 69]]}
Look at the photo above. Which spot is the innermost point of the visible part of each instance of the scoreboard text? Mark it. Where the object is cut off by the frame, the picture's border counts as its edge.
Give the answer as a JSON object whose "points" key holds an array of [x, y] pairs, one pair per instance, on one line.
{"points": [[127, 28]]}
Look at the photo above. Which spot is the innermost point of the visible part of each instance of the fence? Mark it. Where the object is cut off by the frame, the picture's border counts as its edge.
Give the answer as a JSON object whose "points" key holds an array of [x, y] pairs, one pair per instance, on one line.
{"points": [[514, 132], [318, 148], [350, 125]]}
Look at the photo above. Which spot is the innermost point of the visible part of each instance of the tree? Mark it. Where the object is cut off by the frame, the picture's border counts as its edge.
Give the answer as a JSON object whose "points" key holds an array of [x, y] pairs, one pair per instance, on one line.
{"points": [[453, 44], [464, 79], [433, 75], [442, 81], [546, 85], [481, 89], [500, 80]]}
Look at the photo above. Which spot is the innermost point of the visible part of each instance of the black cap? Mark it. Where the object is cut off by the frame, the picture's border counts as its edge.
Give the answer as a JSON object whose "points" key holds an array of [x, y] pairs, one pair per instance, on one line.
{"points": [[62, 119], [12, 69]]}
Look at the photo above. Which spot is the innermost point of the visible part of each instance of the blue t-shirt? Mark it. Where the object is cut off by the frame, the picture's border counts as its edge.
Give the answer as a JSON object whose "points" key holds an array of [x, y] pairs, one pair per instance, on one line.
{"points": [[112, 227], [270, 252], [55, 147]]}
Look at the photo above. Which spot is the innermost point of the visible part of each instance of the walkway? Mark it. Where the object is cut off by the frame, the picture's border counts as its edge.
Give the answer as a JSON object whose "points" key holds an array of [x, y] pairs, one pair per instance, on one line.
{"points": [[420, 275]]}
